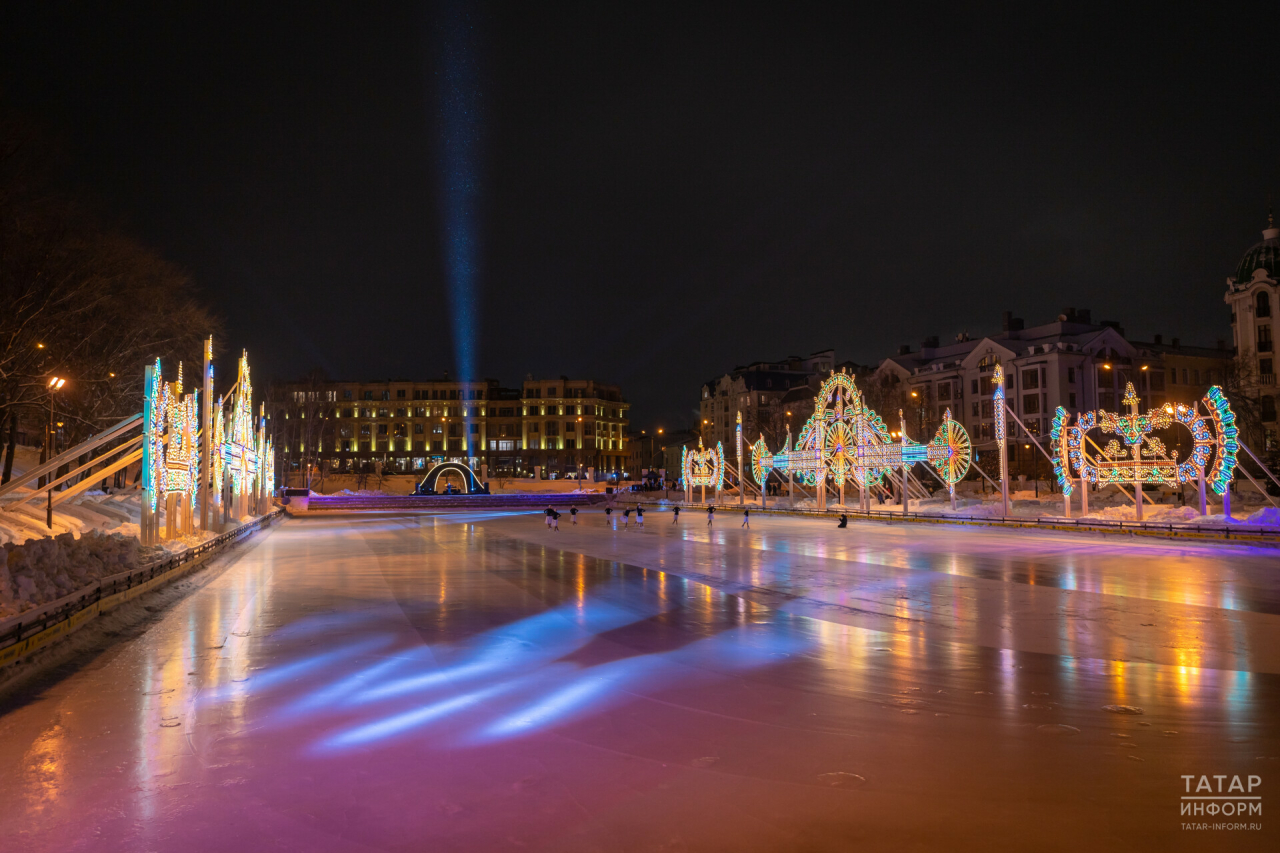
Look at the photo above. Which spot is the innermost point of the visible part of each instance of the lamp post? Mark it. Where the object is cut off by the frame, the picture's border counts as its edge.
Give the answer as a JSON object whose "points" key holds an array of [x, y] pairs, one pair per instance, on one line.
{"points": [[55, 384]]}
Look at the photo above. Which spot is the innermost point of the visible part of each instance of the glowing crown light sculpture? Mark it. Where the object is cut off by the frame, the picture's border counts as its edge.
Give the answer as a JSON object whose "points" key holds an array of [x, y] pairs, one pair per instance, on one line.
{"points": [[702, 467], [1140, 457], [170, 460], [845, 441]]}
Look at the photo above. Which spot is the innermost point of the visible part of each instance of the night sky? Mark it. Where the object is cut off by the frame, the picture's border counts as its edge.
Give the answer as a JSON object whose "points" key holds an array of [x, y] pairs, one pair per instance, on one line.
{"points": [[648, 197]]}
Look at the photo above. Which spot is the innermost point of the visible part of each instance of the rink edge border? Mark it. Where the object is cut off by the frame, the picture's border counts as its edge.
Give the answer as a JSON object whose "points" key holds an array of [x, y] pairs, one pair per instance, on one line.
{"points": [[26, 633], [1242, 533]]}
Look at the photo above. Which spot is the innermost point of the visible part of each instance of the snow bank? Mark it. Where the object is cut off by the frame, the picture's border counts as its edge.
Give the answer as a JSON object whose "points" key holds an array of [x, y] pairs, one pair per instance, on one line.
{"points": [[45, 570]]}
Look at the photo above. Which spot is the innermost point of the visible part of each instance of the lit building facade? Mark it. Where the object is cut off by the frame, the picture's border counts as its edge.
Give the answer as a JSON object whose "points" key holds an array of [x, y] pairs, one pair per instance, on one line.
{"points": [[559, 426], [758, 391], [1072, 362], [1254, 297]]}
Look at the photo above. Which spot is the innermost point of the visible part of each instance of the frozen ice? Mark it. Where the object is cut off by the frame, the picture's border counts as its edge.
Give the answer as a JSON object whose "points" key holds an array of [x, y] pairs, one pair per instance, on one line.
{"points": [[472, 681]]}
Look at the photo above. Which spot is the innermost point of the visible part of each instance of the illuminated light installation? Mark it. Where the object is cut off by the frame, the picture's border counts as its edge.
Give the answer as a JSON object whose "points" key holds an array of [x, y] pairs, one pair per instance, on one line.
{"points": [[742, 484], [170, 457], [1143, 457], [1001, 431], [702, 467], [238, 449], [845, 441], [266, 464]]}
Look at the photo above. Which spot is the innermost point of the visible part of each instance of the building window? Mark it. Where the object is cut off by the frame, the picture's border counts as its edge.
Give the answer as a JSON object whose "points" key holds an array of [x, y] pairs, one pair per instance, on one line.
{"points": [[987, 408], [368, 395], [1030, 379], [1071, 400], [402, 412], [1268, 408], [944, 390], [455, 430], [1071, 374], [474, 429], [437, 446], [973, 387], [1265, 366], [1264, 338], [1031, 403], [1262, 304], [570, 443]]}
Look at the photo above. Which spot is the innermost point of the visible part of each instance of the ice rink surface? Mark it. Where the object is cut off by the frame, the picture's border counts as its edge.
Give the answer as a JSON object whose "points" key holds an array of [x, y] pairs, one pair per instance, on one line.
{"points": [[474, 681]]}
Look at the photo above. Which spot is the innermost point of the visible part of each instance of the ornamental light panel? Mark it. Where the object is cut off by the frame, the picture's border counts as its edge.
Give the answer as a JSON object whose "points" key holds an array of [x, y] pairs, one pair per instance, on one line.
{"points": [[704, 466], [845, 441], [171, 457], [1135, 455]]}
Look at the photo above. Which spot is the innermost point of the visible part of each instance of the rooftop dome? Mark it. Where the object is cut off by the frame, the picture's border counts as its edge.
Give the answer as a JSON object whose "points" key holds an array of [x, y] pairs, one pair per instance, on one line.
{"points": [[1264, 255]]}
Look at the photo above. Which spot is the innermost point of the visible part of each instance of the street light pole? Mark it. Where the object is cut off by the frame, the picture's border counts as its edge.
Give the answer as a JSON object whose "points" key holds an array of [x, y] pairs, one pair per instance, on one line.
{"points": [[55, 384]]}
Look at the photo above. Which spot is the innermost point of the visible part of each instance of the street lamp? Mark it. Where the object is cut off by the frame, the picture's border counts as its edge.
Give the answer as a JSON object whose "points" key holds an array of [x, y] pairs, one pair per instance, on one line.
{"points": [[55, 384]]}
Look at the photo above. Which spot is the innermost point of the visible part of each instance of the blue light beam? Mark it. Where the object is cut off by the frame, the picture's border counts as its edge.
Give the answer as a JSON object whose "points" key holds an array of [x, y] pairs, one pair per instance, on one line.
{"points": [[459, 126]]}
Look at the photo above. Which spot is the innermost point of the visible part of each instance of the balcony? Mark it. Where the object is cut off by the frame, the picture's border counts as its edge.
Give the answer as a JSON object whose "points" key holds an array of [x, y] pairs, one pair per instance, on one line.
{"points": [[1266, 379], [1264, 346]]}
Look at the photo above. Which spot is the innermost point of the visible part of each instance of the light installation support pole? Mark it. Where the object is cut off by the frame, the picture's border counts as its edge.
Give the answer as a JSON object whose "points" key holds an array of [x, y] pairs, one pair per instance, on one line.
{"points": [[791, 488], [764, 487], [206, 435], [742, 480], [1084, 497], [1137, 483], [148, 483], [906, 474]]}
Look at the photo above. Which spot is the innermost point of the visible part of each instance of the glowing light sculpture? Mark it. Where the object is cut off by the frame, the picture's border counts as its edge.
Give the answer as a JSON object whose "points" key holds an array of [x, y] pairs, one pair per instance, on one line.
{"points": [[1143, 457], [170, 457], [702, 467], [238, 447], [845, 441]]}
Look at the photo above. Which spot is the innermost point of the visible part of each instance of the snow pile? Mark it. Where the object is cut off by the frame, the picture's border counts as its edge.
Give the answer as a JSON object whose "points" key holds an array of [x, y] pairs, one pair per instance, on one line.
{"points": [[1268, 515], [45, 570]]}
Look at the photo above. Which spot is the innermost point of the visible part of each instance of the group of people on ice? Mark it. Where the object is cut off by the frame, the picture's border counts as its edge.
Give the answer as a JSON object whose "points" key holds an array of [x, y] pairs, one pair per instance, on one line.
{"points": [[553, 517]]}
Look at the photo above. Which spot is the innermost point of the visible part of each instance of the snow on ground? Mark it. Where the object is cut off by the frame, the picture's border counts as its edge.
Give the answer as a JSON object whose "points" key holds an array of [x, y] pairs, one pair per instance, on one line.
{"points": [[94, 535], [44, 570]]}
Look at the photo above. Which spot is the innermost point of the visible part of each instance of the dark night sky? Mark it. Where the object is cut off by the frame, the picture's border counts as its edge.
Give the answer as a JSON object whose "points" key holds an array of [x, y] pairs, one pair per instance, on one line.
{"points": [[664, 195]]}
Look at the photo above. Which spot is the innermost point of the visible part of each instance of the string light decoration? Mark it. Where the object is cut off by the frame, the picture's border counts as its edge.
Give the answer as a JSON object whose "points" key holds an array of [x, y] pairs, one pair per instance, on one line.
{"points": [[845, 441], [181, 469], [1143, 457], [704, 466], [239, 438], [170, 458]]}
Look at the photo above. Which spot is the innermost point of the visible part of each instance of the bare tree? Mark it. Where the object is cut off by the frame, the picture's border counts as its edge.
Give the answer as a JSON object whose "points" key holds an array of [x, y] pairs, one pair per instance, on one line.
{"points": [[79, 301], [303, 414]]}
